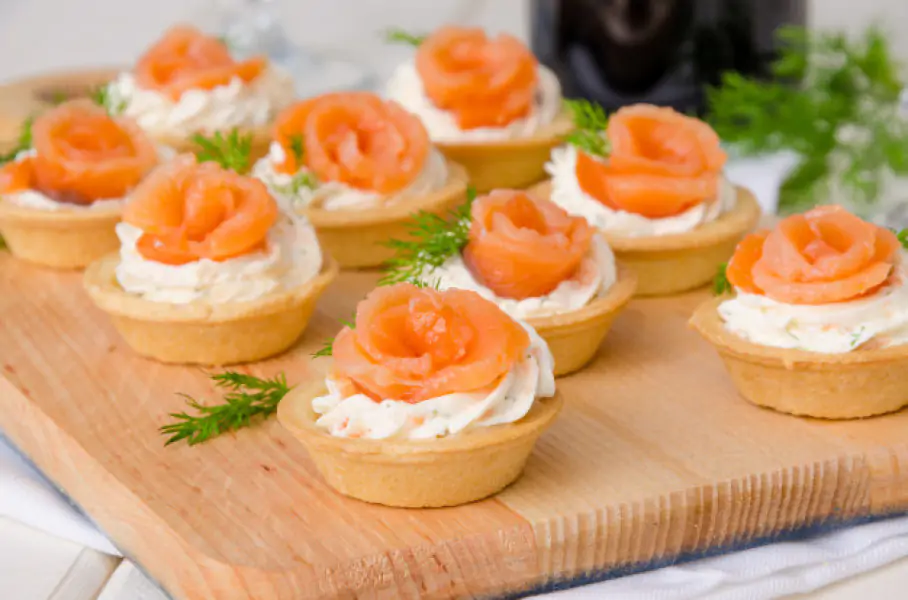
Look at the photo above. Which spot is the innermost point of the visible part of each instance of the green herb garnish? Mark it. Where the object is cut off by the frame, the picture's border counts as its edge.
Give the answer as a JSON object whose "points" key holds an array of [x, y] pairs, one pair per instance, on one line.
{"points": [[247, 397], [303, 179], [434, 239], [834, 101], [856, 336], [296, 146], [590, 122], [328, 348], [102, 97], [721, 284], [232, 151], [399, 36], [23, 143], [903, 237]]}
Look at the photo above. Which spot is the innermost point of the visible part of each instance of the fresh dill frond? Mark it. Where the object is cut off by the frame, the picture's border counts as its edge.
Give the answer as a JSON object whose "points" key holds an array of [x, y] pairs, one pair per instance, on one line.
{"points": [[232, 151], [328, 348], [903, 237], [399, 36], [432, 240], [296, 146], [590, 122], [303, 179], [246, 397], [102, 97], [721, 285], [23, 143]]}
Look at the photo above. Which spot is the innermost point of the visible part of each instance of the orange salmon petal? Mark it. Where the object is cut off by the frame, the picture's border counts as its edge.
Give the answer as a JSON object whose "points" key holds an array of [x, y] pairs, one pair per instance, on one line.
{"points": [[520, 247], [17, 176], [740, 266]]}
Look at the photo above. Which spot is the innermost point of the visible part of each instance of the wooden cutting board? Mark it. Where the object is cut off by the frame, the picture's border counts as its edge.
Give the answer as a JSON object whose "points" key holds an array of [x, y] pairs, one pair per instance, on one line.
{"points": [[655, 459]]}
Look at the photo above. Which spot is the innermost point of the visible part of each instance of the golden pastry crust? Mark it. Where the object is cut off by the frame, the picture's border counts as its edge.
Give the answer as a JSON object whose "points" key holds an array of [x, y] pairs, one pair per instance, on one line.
{"points": [[511, 163], [200, 333], [575, 337], [62, 239], [355, 237], [420, 473], [861, 383], [679, 262]]}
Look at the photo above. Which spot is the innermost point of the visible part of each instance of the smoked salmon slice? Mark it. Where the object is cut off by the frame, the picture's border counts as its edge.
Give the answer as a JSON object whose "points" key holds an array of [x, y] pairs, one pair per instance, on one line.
{"points": [[823, 256], [482, 81], [412, 344], [521, 247], [186, 59], [190, 211], [660, 164], [81, 155], [355, 138]]}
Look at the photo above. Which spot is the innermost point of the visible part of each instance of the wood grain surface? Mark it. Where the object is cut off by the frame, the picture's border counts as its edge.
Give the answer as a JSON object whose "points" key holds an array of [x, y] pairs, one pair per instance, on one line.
{"points": [[654, 458]]}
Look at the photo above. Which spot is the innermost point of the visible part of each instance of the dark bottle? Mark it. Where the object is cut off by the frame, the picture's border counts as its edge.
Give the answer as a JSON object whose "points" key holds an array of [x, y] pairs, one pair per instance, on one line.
{"points": [[619, 52]]}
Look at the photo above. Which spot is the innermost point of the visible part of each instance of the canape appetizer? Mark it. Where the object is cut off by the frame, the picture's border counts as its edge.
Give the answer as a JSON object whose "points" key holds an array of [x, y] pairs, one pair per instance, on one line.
{"points": [[62, 194], [358, 167], [651, 180], [188, 83], [209, 271], [434, 399], [819, 323], [530, 258], [486, 102]]}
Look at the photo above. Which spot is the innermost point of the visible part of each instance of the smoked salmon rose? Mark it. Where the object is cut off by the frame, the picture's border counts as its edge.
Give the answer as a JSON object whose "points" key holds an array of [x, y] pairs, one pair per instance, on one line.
{"points": [[822, 256], [189, 211], [412, 344], [355, 138], [520, 247], [81, 154], [483, 82], [186, 59], [660, 164]]}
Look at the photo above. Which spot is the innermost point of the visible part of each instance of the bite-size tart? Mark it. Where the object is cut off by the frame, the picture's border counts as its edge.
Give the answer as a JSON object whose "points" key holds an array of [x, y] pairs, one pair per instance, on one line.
{"points": [[486, 102], [188, 83], [652, 182], [819, 323], [358, 167], [533, 260], [61, 197], [210, 270], [433, 399]]}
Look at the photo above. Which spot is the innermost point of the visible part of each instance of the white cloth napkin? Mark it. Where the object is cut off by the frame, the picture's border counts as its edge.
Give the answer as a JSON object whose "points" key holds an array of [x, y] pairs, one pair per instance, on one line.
{"points": [[756, 574]]}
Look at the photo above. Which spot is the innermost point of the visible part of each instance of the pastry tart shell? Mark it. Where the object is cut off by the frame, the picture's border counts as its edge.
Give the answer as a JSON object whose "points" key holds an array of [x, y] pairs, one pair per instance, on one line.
{"points": [[679, 262], [445, 471], [857, 384], [205, 334], [61, 239], [575, 337], [356, 237], [511, 163]]}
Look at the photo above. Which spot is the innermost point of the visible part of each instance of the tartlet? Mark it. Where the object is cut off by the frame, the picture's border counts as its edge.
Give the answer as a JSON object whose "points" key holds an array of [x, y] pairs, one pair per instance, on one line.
{"points": [[188, 83], [536, 262], [819, 323], [450, 445], [229, 283], [487, 104], [359, 200], [61, 198], [660, 199]]}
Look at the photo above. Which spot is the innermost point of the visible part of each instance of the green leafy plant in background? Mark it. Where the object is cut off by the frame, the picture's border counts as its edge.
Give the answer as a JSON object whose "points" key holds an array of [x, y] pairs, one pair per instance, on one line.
{"points": [[835, 102]]}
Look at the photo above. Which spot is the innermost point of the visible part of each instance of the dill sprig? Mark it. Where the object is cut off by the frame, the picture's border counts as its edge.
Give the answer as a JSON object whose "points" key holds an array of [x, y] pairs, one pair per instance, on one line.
{"points": [[232, 151], [246, 397], [903, 237], [721, 285], [399, 36], [23, 143], [328, 348], [303, 179], [102, 97], [296, 146], [434, 239], [590, 122], [834, 101]]}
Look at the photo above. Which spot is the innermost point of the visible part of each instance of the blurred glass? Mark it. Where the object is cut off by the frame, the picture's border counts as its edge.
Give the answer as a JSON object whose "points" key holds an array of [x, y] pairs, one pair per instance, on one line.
{"points": [[257, 27]]}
